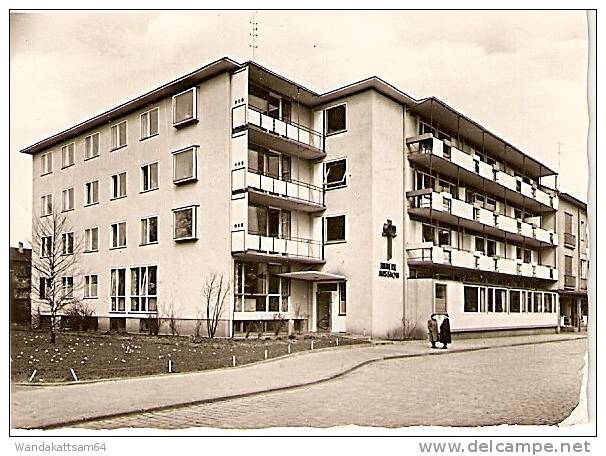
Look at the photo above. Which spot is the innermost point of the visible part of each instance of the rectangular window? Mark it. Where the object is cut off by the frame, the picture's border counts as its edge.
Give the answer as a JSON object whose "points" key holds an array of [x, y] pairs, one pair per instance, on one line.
{"points": [[519, 251], [143, 289], [482, 292], [529, 302], [583, 269], [46, 246], [149, 123], [335, 119], [428, 233], [286, 172], [149, 230], [538, 302], [568, 265], [335, 174], [439, 302], [118, 234], [335, 229], [90, 286], [68, 287], [491, 248], [149, 177], [185, 107], [44, 289], [118, 135], [47, 205], [184, 165], [548, 303], [500, 300], [185, 223], [119, 185], [444, 237], [480, 245], [527, 256], [91, 239], [118, 290], [46, 161], [515, 302], [342, 298], [91, 146], [470, 299], [91, 193], [490, 300], [567, 223], [68, 199], [67, 155], [67, 242]]}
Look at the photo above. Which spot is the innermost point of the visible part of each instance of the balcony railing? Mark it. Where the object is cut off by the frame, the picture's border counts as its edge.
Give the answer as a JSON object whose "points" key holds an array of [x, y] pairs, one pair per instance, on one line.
{"points": [[450, 256], [246, 114], [291, 248], [428, 144], [292, 190], [570, 281], [570, 240], [445, 203]]}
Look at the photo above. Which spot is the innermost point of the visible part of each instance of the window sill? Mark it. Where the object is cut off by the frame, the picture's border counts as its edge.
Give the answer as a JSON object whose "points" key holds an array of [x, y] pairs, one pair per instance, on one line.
{"points": [[67, 166], [91, 297], [90, 158], [189, 239], [335, 242], [118, 148], [150, 136], [67, 210], [91, 204], [46, 215], [120, 312], [91, 251], [186, 122], [148, 243], [185, 181], [46, 174], [335, 133], [149, 190], [118, 248], [118, 197], [335, 187]]}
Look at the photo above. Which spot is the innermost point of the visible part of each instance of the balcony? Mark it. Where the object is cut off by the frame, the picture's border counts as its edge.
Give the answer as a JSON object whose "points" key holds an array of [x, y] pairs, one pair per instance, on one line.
{"points": [[570, 240], [570, 281], [433, 153], [287, 137], [444, 208], [454, 258], [268, 191], [256, 247]]}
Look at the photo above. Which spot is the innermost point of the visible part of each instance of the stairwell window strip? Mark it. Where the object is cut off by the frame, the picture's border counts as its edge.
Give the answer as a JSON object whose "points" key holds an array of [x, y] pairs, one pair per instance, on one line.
{"points": [[149, 123], [118, 135], [91, 146]]}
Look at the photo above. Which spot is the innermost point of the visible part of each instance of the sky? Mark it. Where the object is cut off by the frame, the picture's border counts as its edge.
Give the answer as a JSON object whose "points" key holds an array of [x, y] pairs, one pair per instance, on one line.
{"points": [[521, 74]]}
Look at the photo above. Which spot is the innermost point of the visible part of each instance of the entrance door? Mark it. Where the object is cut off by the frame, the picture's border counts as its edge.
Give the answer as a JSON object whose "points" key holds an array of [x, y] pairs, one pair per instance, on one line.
{"points": [[323, 312]]}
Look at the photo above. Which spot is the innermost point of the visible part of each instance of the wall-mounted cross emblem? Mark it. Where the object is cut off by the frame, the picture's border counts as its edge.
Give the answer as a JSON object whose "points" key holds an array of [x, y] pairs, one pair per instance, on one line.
{"points": [[389, 231]]}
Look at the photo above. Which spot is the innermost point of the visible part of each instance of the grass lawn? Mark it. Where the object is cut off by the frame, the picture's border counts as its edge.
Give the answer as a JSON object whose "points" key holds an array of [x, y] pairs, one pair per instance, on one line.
{"points": [[105, 356]]}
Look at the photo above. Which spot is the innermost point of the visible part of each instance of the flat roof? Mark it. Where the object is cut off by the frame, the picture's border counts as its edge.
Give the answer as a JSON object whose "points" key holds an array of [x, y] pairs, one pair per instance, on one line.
{"points": [[296, 91]]}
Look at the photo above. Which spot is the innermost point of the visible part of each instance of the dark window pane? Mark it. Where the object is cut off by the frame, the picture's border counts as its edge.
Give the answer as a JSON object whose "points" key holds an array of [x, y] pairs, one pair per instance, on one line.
{"points": [[335, 119], [335, 228], [335, 173], [470, 299]]}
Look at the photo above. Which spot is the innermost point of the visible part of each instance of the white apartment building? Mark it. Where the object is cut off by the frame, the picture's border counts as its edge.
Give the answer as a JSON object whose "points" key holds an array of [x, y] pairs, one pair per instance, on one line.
{"points": [[361, 210]]}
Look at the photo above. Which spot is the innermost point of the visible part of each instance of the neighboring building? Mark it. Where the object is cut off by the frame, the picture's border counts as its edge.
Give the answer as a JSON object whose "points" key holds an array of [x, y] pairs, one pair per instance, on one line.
{"points": [[20, 270], [360, 210], [573, 254]]}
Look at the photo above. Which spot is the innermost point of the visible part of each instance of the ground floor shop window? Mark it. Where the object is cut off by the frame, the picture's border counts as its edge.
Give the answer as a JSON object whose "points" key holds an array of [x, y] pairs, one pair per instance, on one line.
{"points": [[439, 302], [259, 288], [499, 300]]}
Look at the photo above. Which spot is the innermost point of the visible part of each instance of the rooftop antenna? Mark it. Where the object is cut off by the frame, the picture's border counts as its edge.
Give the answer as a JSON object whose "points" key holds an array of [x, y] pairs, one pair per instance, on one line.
{"points": [[254, 34]]}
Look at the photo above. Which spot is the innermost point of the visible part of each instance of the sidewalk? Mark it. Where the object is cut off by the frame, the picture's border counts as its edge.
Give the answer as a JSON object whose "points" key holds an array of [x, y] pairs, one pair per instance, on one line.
{"points": [[52, 406]]}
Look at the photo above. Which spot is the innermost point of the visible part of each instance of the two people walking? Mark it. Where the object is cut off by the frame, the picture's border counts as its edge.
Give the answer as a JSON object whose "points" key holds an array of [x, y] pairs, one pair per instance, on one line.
{"points": [[443, 335]]}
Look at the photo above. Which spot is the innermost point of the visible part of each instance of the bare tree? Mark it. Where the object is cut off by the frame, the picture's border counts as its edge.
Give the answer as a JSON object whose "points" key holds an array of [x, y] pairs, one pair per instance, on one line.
{"points": [[214, 294], [55, 267]]}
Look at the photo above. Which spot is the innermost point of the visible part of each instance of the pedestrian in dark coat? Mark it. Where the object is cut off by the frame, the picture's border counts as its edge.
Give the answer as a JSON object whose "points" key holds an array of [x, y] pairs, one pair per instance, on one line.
{"points": [[432, 330], [445, 337]]}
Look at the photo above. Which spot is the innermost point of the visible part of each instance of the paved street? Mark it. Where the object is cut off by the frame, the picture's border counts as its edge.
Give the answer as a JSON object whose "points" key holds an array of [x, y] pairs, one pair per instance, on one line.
{"points": [[531, 384]]}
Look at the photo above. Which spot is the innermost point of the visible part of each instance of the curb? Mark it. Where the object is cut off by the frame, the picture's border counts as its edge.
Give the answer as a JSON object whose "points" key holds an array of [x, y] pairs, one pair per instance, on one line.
{"points": [[343, 373]]}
